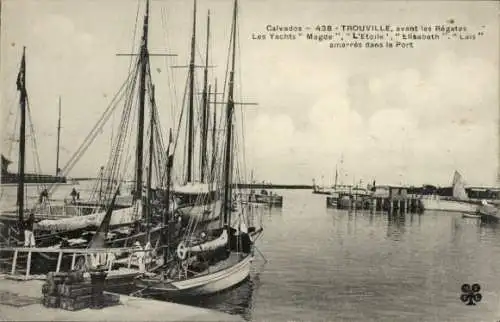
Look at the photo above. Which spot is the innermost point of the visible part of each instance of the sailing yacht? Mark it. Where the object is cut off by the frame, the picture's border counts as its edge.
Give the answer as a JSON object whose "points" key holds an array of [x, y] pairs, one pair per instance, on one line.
{"points": [[140, 219], [321, 189], [217, 259], [458, 203], [8, 177], [197, 198]]}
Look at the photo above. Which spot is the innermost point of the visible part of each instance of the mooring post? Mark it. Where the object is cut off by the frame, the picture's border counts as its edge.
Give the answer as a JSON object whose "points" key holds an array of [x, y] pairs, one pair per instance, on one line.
{"points": [[73, 261], [14, 263], [28, 265], [59, 259]]}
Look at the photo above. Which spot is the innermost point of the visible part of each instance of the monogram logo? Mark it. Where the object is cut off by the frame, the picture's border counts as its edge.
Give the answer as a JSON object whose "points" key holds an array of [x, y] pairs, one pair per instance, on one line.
{"points": [[470, 294]]}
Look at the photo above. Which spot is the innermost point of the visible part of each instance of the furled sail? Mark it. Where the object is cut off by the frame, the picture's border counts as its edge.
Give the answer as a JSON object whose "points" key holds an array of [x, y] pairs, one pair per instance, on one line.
{"points": [[120, 217], [220, 241], [195, 188], [99, 238]]}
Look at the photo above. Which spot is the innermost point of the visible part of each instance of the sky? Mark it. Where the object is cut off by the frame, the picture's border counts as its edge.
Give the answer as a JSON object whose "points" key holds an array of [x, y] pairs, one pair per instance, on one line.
{"points": [[410, 116]]}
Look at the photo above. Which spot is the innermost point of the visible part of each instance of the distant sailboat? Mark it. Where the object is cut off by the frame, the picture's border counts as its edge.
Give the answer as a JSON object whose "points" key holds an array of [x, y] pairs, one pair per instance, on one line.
{"points": [[321, 190], [7, 177], [458, 203]]}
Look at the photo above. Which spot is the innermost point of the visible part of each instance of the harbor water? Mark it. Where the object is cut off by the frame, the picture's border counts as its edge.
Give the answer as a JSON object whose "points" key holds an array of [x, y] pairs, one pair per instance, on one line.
{"points": [[332, 265], [327, 264]]}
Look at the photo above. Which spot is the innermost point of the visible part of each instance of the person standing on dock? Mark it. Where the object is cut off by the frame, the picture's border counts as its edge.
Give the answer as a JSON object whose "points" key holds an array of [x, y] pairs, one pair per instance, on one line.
{"points": [[29, 237], [44, 196], [73, 195], [139, 253]]}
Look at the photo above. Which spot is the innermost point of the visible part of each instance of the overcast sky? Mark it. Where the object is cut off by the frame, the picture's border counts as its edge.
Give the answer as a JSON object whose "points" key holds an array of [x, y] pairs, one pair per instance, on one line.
{"points": [[395, 115]]}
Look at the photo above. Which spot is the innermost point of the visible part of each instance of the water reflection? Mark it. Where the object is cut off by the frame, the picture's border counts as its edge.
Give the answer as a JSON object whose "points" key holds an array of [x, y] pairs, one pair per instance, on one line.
{"points": [[488, 231], [395, 226], [331, 265]]}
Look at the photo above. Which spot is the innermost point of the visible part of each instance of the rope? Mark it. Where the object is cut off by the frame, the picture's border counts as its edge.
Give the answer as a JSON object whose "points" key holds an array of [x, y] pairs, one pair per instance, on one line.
{"points": [[94, 131]]}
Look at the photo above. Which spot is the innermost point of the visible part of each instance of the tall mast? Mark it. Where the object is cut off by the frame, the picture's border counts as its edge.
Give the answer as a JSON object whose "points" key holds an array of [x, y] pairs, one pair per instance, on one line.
{"points": [[209, 97], [336, 175], [191, 102], [21, 87], [229, 125], [150, 166], [204, 129], [214, 131], [143, 60], [58, 138], [166, 216]]}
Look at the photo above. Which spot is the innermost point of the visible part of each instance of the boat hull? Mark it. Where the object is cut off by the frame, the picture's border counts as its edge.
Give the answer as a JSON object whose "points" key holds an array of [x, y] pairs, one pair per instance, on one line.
{"points": [[201, 213], [272, 200], [489, 214], [331, 202], [321, 192], [201, 285], [448, 205], [471, 216]]}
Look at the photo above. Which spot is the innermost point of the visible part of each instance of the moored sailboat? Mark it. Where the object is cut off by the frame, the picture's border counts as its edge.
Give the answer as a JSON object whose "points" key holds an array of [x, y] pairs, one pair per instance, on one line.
{"points": [[220, 258], [458, 203], [197, 197], [7, 177], [139, 219]]}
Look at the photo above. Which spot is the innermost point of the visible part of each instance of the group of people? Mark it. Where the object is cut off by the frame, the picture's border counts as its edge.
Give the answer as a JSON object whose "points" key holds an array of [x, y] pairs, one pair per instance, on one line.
{"points": [[75, 195]]}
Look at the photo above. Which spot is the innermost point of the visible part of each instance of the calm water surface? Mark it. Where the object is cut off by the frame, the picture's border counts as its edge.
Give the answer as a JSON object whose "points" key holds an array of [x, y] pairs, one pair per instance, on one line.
{"points": [[333, 265]]}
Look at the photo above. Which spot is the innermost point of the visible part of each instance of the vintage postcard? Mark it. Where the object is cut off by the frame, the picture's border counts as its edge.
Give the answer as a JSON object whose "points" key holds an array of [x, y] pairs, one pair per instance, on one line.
{"points": [[249, 160]]}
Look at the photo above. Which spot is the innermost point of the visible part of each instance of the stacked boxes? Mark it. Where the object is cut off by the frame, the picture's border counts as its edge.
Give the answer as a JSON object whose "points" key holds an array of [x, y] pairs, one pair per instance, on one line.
{"points": [[69, 291], [50, 289]]}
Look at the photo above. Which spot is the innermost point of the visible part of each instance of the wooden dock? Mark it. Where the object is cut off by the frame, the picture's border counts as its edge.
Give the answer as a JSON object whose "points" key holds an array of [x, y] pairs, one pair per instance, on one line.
{"points": [[384, 198], [21, 301]]}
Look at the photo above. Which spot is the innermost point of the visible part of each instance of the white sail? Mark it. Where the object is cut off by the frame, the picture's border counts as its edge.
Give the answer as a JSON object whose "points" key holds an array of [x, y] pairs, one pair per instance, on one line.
{"points": [[207, 246], [459, 187], [119, 217], [243, 227], [195, 188]]}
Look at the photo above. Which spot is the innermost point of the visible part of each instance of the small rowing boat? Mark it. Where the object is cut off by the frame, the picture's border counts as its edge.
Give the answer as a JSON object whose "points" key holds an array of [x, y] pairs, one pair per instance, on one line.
{"points": [[475, 216]]}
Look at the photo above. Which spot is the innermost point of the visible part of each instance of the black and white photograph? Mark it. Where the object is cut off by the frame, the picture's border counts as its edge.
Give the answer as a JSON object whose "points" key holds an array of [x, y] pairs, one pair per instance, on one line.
{"points": [[249, 160]]}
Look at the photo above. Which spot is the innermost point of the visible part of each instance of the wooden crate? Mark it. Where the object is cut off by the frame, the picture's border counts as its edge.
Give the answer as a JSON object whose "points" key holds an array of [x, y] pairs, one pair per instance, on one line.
{"points": [[74, 277], [50, 288], [111, 299], [74, 304], [57, 278], [75, 290], [51, 301]]}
